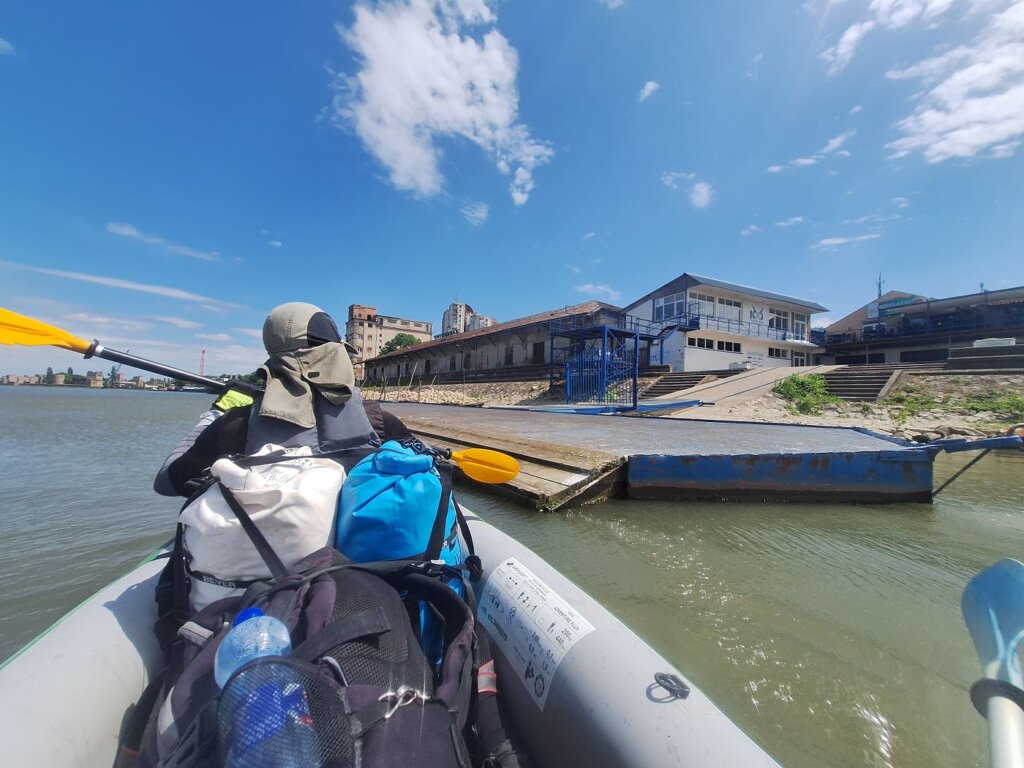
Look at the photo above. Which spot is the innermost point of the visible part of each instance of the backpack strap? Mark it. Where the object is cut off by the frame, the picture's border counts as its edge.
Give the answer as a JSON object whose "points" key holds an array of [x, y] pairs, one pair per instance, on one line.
{"points": [[366, 623], [439, 532], [273, 562]]}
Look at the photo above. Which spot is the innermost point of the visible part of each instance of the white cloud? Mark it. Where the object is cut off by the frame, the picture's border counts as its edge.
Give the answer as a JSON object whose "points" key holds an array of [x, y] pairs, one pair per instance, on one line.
{"points": [[754, 67], [790, 222], [6, 49], [673, 179], [573, 268], [836, 142], [899, 202], [972, 98], [424, 78], [589, 236], [179, 322], [475, 213], [701, 195], [832, 147], [649, 87], [256, 333], [115, 282], [855, 109], [213, 336], [597, 290], [130, 231], [882, 14], [275, 243], [832, 242], [747, 231], [612, 4]]}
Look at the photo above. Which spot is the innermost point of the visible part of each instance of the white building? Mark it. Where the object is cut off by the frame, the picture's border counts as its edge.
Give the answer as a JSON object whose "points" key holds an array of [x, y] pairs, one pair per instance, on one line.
{"points": [[704, 324], [454, 318], [477, 322]]}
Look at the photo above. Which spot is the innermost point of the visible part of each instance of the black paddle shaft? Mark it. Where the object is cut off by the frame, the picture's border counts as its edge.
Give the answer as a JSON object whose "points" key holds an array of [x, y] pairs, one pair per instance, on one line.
{"points": [[98, 350]]}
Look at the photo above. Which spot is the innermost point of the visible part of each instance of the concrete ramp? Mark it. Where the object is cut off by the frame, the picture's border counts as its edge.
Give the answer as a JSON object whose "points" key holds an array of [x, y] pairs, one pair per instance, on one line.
{"points": [[740, 388]]}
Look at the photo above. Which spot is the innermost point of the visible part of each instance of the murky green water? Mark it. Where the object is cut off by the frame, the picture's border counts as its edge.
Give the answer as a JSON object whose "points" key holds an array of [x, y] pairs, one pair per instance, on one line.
{"points": [[831, 633]]}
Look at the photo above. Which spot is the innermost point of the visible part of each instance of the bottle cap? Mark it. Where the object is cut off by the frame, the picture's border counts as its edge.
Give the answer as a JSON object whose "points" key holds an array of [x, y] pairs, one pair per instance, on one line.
{"points": [[245, 615]]}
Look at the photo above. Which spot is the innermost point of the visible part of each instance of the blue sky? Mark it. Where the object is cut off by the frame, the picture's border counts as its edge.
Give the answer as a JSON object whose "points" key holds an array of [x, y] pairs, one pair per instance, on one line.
{"points": [[170, 172]]}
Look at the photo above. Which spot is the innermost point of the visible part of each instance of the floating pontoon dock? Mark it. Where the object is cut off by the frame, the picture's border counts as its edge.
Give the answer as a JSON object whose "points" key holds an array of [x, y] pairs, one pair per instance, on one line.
{"points": [[573, 458]]}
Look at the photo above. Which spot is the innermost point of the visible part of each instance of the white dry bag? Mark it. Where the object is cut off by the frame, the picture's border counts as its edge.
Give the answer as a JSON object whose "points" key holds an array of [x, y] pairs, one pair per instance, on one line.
{"points": [[292, 501]]}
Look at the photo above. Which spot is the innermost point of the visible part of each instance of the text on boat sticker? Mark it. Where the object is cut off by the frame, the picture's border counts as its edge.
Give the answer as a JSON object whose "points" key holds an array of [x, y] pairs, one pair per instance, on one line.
{"points": [[533, 625]]}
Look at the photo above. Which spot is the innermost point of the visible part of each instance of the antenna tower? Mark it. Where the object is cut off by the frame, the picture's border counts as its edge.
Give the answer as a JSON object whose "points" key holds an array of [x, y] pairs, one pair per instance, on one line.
{"points": [[881, 282], [202, 363]]}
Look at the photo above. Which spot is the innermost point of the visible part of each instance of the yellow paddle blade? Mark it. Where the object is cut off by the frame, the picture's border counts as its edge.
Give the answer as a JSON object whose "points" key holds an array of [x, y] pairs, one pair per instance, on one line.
{"points": [[485, 465], [18, 329]]}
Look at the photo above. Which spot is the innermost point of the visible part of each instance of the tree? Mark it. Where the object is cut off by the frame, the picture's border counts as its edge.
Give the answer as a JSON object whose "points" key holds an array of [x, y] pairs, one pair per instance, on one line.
{"points": [[401, 341], [49, 376]]}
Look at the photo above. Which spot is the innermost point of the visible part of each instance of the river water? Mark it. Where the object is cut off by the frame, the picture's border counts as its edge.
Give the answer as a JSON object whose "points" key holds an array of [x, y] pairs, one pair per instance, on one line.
{"points": [[830, 633]]}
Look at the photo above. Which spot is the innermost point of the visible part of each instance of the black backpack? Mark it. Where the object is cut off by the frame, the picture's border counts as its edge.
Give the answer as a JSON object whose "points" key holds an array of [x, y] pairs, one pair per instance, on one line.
{"points": [[367, 695]]}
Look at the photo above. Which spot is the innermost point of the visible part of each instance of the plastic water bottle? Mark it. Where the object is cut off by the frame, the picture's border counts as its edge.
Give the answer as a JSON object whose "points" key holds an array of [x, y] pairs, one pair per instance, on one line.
{"points": [[253, 634], [271, 723]]}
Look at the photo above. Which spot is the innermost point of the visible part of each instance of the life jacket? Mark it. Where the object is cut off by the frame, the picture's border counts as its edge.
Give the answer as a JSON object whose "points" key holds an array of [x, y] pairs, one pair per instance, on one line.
{"points": [[338, 427]]}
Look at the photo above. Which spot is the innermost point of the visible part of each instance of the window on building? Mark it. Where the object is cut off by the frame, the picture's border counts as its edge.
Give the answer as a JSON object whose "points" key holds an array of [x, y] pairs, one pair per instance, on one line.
{"points": [[730, 309], [451, 363], [669, 306], [778, 319], [509, 355], [699, 343], [800, 325], [729, 346], [538, 353], [782, 354], [705, 303]]}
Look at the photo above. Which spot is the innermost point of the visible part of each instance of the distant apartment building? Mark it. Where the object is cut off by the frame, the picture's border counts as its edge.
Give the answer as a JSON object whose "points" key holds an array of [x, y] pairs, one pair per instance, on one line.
{"points": [[478, 322], [367, 331], [460, 318]]}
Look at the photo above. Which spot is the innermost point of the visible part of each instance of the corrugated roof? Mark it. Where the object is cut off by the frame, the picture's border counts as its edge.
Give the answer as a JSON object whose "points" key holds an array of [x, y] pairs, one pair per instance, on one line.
{"points": [[585, 308], [739, 289]]}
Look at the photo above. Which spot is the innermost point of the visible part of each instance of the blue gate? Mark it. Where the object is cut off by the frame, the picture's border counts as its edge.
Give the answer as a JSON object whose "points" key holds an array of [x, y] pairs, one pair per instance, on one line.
{"points": [[603, 370]]}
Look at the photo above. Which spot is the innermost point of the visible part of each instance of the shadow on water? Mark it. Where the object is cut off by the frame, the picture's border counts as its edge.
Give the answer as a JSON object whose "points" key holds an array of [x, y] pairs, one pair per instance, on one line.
{"points": [[830, 633]]}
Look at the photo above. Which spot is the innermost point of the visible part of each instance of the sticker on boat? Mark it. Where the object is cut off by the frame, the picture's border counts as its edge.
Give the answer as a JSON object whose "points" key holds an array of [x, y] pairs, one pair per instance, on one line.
{"points": [[531, 622]]}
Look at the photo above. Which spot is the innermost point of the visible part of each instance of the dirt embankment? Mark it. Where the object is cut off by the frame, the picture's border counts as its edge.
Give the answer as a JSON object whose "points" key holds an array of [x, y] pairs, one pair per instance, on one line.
{"points": [[919, 408]]}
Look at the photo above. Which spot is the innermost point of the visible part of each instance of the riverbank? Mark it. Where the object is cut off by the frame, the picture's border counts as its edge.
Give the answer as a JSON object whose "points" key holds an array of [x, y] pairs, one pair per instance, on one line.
{"points": [[920, 407]]}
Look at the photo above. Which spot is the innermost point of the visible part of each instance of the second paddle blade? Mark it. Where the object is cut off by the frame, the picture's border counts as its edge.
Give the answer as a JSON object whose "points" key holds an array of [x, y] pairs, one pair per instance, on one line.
{"points": [[486, 466]]}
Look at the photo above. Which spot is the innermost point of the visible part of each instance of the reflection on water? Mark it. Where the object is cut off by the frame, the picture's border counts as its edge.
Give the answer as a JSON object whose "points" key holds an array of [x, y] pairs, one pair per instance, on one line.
{"points": [[830, 633]]}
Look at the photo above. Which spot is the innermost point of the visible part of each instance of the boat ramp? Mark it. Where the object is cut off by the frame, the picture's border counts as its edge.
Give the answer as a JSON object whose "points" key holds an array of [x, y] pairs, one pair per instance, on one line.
{"points": [[570, 458]]}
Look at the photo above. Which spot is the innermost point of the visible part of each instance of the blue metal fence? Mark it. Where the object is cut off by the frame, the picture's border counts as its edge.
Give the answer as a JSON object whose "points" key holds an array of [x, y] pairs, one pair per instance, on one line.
{"points": [[603, 370]]}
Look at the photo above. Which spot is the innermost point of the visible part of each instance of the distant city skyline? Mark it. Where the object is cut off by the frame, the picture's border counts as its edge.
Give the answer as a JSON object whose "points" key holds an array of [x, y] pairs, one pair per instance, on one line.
{"points": [[171, 173]]}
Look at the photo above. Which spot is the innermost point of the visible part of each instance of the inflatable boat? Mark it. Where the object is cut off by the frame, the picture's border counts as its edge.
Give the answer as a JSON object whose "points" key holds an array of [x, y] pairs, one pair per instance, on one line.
{"points": [[580, 688]]}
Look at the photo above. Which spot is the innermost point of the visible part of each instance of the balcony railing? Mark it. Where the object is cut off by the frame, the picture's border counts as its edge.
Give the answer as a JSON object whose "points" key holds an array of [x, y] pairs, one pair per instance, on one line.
{"points": [[933, 325], [687, 320]]}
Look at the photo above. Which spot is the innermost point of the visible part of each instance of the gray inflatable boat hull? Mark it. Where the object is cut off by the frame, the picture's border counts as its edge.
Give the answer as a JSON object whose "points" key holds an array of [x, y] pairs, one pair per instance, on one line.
{"points": [[578, 684]]}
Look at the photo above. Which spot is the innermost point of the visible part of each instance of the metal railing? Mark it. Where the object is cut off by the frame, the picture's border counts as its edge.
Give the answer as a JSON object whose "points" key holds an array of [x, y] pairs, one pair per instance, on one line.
{"points": [[932, 325]]}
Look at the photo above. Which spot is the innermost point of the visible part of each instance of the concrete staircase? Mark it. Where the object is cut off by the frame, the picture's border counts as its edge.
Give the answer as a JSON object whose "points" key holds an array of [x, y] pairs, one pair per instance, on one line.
{"points": [[866, 382], [675, 382], [987, 358]]}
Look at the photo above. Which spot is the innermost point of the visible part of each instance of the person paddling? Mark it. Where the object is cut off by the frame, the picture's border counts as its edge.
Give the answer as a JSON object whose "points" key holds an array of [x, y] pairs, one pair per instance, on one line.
{"points": [[310, 400]]}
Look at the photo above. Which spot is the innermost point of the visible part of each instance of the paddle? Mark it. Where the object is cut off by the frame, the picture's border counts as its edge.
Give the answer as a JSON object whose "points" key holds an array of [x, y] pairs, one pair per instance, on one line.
{"points": [[993, 609], [485, 465], [480, 464], [28, 332]]}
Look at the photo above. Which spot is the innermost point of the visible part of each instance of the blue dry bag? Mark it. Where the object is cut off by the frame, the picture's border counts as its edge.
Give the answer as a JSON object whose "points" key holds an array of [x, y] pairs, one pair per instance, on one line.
{"points": [[391, 508]]}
